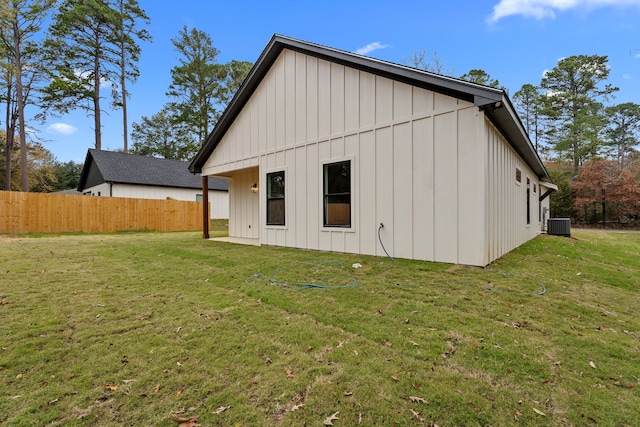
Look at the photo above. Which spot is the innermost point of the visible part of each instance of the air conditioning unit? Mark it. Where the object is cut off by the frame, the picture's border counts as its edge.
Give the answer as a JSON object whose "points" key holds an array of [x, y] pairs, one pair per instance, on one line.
{"points": [[559, 226]]}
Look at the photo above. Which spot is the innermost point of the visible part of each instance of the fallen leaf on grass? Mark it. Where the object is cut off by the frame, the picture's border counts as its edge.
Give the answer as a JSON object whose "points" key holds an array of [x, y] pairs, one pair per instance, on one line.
{"points": [[593, 365], [330, 419], [179, 392], [539, 412], [221, 409], [417, 399], [414, 343], [417, 415], [348, 393], [395, 378], [192, 421], [111, 387], [296, 407], [157, 389], [289, 373]]}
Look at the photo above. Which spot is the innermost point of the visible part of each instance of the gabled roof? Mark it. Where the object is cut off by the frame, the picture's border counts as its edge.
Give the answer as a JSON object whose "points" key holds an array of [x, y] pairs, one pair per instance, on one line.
{"points": [[494, 102], [122, 168]]}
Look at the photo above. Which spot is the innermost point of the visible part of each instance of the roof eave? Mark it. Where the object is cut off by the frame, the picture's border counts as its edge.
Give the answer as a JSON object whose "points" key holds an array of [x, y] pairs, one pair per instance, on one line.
{"points": [[85, 171], [503, 115]]}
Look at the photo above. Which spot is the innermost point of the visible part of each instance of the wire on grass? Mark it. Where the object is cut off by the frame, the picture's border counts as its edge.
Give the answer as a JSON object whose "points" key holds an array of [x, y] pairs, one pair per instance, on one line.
{"points": [[258, 277]]}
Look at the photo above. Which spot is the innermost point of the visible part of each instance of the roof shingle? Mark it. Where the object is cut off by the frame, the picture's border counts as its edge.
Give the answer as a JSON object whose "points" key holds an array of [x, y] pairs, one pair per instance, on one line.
{"points": [[124, 168]]}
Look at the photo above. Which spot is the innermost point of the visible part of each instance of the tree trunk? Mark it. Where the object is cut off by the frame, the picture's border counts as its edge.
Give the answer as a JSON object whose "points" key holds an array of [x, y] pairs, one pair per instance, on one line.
{"points": [[96, 103], [123, 82], [9, 137], [20, 99], [604, 210]]}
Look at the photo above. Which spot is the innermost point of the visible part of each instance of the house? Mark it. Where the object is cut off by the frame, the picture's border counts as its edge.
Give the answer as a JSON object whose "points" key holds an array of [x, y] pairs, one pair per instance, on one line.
{"points": [[115, 174], [333, 151]]}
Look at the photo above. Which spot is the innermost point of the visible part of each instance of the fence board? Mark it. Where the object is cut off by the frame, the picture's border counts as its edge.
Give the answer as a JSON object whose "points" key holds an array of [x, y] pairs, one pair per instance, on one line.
{"points": [[58, 213]]}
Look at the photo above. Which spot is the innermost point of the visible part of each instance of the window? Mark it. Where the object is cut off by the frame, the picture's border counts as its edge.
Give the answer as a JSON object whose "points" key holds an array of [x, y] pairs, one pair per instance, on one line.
{"points": [[528, 201], [275, 198], [337, 194], [199, 197], [518, 175]]}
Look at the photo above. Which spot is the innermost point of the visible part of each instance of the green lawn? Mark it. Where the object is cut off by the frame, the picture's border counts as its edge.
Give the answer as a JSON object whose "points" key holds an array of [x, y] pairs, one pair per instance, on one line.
{"points": [[141, 328]]}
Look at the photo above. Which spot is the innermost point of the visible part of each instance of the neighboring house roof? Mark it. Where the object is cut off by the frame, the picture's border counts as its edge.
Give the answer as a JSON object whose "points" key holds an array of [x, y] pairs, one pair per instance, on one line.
{"points": [[123, 168], [72, 191], [494, 102]]}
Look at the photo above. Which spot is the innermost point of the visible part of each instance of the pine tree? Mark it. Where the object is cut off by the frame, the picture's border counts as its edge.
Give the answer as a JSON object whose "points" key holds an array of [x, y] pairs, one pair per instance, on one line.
{"points": [[82, 58], [574, 90], [20, 22], [130, 15]]}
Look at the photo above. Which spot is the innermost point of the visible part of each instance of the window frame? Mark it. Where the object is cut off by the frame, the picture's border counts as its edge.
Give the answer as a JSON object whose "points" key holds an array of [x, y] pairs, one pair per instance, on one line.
{"points": [[269, 197], [323, 195]]}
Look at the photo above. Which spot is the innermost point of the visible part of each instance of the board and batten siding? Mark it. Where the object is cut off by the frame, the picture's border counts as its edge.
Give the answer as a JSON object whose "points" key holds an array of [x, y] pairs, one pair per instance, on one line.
{"points": [[506, 205], [419, 161]]}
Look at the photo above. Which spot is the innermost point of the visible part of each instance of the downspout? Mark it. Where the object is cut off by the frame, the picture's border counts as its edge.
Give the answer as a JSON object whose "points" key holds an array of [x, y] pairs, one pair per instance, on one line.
{"points": [[542, 197], [111, 189]]}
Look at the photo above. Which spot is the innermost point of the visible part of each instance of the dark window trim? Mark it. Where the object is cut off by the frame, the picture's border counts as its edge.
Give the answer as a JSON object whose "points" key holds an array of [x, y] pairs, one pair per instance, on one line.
{"points": [[528, 201], [271, 198], [326, 195]]}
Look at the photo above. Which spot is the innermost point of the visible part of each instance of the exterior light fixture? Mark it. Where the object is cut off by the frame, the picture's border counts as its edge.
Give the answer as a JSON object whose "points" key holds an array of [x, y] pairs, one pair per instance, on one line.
{"points": [[254, 188]]}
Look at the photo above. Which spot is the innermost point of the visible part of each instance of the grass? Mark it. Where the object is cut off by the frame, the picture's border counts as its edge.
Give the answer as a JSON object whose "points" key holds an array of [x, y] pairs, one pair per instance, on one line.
{"points": [[139, 328]]}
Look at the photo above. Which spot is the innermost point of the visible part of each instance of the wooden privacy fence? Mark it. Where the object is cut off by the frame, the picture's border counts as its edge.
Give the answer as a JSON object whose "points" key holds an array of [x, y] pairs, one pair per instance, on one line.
{"points": [[58, 213]]}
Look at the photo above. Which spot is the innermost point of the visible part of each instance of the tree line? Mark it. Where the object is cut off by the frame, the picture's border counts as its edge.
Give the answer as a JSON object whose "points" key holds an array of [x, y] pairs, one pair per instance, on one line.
{"points": [[85, 59], [89, 51], [588, 144]]}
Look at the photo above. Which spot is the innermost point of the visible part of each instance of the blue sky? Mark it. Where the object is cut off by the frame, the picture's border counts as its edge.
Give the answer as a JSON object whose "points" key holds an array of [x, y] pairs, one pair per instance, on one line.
{"points": [[515, 41]]}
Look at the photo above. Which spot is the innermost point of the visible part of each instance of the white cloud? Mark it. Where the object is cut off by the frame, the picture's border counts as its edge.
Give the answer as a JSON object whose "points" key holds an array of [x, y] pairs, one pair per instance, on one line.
{"points": [[626, 76], [541, 9], [371, 47], [62, 128]]}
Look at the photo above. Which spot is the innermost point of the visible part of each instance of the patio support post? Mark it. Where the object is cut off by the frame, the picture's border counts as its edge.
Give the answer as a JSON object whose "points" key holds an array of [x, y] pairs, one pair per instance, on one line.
{"points": [[205, 207]]}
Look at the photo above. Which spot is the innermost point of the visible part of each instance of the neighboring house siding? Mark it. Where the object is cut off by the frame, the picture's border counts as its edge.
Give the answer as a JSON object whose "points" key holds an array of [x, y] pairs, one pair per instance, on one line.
{"points": [[419, 162], [102, 190], [218, 200]]}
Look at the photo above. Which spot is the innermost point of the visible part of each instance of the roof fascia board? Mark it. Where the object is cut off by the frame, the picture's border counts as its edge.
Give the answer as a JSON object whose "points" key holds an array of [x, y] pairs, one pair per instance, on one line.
{"points": [[477, 94]]}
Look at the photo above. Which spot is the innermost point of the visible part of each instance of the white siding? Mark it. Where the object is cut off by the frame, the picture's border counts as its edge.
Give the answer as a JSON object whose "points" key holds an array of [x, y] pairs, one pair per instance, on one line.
{"points": [[419, 162], [506, 203], [218, 200], [244, 211]]}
